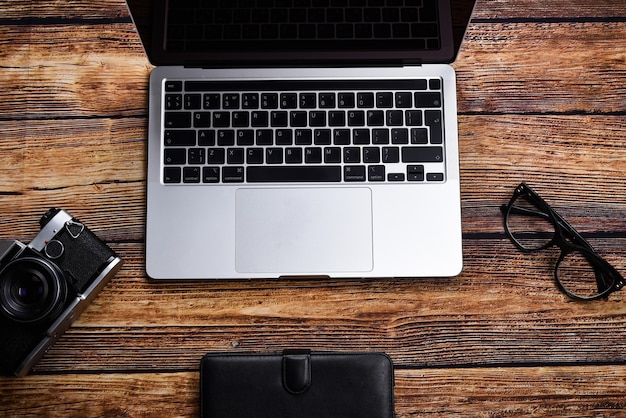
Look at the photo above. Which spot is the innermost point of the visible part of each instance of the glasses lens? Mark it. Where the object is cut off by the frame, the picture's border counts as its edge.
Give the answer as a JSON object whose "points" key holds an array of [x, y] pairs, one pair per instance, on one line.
{"points": [[528, 225], [580, 276]]}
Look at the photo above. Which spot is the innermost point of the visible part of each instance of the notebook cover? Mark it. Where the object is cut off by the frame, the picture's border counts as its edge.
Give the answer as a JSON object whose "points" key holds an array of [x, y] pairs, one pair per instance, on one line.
{"points": [[298, 383]]}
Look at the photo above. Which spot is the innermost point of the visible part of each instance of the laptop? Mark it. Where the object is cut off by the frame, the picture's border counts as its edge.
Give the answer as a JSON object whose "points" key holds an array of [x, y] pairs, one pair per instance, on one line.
{"points": [[302, 138]]}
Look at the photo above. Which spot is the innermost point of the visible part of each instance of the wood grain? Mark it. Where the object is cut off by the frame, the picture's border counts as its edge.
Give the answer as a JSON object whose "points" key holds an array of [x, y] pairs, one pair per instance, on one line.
{"points": [[541, 89], [502, 391]]}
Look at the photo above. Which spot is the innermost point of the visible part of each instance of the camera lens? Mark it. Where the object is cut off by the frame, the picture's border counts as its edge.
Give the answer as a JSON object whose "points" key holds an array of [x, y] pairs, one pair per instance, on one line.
{"points": [[31, 290]]}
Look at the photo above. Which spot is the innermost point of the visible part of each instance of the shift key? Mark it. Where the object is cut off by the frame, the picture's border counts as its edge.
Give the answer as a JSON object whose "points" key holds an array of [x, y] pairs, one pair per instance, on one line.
{"points": [[422, 154]]}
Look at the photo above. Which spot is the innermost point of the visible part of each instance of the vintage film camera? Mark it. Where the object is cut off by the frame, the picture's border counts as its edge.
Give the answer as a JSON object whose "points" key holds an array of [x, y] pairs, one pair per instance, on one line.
{"points": [[45, 285]]}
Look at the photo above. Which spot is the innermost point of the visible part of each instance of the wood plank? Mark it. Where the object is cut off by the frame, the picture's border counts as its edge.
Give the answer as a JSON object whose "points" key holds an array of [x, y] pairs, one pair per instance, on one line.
{"points": [[553, 10], [50, 11], [542, 68], [504, 309], [63, 71], [506, 391], [547, 70], [485, 9]]}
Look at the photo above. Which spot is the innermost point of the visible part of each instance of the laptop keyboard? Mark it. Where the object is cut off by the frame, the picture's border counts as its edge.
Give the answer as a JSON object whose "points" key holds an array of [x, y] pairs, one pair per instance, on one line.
{"points": [[303, 131]]}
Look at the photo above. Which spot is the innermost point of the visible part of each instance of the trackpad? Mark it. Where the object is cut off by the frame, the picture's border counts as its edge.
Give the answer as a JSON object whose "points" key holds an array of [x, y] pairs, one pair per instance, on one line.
{"points": [[304, 231]]}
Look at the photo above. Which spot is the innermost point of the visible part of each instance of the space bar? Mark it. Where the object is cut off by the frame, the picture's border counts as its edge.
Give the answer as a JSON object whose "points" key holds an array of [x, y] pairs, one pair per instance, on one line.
{"points": [[291, 174]]}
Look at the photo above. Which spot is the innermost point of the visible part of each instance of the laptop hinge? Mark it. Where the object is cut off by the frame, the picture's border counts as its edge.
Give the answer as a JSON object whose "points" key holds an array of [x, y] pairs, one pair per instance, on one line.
{"points": [[302, 64]]}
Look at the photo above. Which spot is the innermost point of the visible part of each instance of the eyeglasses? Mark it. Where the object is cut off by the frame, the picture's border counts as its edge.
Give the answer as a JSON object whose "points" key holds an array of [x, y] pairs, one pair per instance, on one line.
{"points": [[533, 226]]}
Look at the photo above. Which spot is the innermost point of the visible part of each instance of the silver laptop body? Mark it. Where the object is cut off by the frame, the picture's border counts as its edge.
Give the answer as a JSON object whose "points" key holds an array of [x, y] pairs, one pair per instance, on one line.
{"points": [[344, 228]]}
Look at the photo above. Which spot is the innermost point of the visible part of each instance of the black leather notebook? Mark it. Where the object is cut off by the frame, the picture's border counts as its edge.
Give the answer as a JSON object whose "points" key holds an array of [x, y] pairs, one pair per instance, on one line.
{"points": [[298, 384]]}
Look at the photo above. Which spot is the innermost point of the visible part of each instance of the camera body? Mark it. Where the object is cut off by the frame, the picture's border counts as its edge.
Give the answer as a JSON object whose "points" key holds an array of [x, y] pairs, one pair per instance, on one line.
{"points": [[45, 285]]}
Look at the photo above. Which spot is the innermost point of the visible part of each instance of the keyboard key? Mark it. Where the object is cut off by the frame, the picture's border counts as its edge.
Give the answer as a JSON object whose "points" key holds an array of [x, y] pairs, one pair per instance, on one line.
{"points": [[278, 119], [264, 137], [193, 101], [172, 175], [298, 119], [206, 138], [301, 173], [346, 100], [254, 156], [288, 101], [419, 136], [245, 137], [230, 101], [375, 118], [434, 177], [225, 137], [293, 155], [337, 118], [216, 156], [274, 156], [395, 177], [202, 120], [241, 119], [327, 100], [399, 136], [356, 118], [354, 173], [191, 175], [322, 137], [303, 137], [179, 138], [351, 155], [332, 155], [221, 119], [415, 173], [232, 175], [211, 101], [371, 155], [171, 85], [175, 156], [269, 101], [361, 136], [428, 99], [380, 136], [404, 99], [432, 118], [284, 137], [317, 118], [365, 100], [391, 155], [395, 118], [259, 119], [413, 117], [308, 100], [384, 100], [173, 101], [196, 156], [376, 173], [177, 120], [422, 154], [341, 136], [313, 155], [250, 101], [210, 174], [234, 156]]}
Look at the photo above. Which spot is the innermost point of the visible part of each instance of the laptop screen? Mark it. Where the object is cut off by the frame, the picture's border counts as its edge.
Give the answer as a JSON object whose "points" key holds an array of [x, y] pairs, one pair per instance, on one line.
{"points": [[287, 32]]}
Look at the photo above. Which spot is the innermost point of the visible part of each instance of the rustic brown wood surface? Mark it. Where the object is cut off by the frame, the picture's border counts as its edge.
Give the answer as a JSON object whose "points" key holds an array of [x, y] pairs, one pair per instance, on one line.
{"points": [[542, 99]]}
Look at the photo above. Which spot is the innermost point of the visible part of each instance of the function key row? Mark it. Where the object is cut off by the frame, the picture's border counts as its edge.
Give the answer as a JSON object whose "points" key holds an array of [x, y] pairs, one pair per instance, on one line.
{"points": [[347, 100]]}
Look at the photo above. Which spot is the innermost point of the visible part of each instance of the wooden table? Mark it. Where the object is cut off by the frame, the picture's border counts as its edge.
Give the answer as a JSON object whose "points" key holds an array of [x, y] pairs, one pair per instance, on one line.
{"points": [[542, 99]]}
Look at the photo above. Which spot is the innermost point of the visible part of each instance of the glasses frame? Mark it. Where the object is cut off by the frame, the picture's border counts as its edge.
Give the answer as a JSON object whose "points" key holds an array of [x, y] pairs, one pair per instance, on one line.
{"points": [[568, 240]]}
